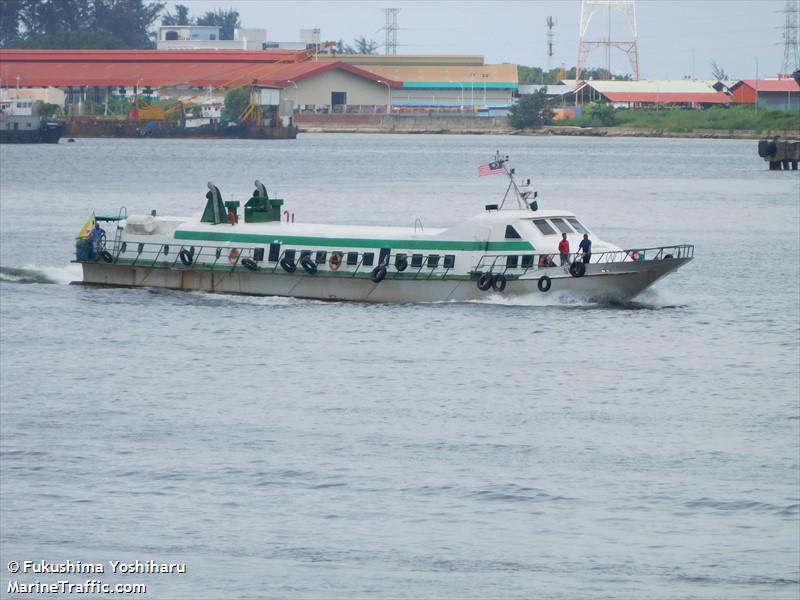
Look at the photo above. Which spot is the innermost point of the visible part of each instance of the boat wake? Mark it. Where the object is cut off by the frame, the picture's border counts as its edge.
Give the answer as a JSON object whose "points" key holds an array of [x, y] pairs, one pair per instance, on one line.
{"points": [[36, 274], [650, 300]]}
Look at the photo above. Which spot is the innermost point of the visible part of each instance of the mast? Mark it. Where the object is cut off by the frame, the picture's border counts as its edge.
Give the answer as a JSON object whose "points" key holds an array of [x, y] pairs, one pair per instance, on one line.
{"points": [[520, 195]]}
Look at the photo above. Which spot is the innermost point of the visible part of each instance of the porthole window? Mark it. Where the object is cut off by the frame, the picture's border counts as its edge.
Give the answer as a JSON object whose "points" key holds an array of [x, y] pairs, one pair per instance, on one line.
{"points": [[433, 261], [449, 261], [416, 260], [258, 254], [321, 256], [512, 262], [368, 258], [352, 258]]}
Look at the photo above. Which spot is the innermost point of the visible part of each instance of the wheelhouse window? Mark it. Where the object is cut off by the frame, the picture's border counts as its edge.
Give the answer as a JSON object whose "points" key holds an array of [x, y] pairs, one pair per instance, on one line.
{"points": [[561, 225], [544, 227], [511, 233], [576, 224]]}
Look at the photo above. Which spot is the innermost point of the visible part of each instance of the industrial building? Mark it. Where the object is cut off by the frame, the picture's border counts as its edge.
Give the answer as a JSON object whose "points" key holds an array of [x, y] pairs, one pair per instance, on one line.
{"points": [[308, 82], [772, 94], [645, 93]]}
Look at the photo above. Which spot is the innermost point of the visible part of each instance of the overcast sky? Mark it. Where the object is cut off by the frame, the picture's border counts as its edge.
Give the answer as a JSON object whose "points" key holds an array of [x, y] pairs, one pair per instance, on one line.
{"points": [[676, 37]]}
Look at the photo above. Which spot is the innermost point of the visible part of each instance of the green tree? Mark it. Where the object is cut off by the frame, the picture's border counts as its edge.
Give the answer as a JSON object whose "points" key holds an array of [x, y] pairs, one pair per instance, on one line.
{"points": [[530, 111], [364, 46], [181, 16], [81, 40], [236, 102], [9, 21], [226, 20], [718, 72], [129, 20], [46, 109], [53, 23], [601, 113]]}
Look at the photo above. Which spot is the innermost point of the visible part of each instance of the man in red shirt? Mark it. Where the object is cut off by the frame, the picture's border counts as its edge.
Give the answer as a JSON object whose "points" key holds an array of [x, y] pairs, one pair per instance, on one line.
{"points": [[563, 249]]}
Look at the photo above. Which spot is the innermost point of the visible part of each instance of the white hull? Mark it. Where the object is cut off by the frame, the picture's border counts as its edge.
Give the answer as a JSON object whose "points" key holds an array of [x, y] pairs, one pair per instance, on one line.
{"points": [[606, 281]]}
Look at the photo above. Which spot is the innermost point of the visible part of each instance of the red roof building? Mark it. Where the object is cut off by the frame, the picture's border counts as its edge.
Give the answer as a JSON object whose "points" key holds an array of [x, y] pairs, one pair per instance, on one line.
{"points": [[746, 91], [151, 68]]}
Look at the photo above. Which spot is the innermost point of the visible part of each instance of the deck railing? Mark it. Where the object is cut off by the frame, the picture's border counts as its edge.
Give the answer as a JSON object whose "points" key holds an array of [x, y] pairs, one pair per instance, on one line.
{"points": [[229, 258], [521, 264]]}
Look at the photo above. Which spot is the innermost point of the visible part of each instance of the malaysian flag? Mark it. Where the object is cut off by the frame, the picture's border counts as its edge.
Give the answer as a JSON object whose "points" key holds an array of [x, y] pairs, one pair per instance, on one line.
{"points": [[493, 168]]}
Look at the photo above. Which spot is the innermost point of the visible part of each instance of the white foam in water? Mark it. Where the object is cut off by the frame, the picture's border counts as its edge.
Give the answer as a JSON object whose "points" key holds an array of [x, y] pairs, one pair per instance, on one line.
{"points": [[63, 275]]}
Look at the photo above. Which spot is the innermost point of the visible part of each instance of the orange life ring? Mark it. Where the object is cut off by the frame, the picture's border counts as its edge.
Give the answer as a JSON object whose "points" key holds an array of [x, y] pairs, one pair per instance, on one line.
{"points": [[233, 256], [635, 255], [335, 261], [233, 218]]}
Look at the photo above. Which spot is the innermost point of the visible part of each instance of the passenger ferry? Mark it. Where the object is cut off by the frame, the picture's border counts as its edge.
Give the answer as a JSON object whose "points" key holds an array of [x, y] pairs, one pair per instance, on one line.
{"points": [[509, 249]]}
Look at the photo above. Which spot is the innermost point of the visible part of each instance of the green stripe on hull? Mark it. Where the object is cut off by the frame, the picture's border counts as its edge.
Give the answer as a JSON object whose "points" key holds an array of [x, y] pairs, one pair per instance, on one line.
{"points": [[250, 238]]}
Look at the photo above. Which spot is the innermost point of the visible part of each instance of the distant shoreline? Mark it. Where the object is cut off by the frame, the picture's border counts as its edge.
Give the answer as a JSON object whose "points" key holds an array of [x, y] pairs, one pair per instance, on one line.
{"points": [[741, 134]]}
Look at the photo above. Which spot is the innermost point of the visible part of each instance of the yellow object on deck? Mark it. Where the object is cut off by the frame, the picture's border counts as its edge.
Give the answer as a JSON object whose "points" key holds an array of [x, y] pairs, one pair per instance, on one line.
{"points": [[87, 228]]}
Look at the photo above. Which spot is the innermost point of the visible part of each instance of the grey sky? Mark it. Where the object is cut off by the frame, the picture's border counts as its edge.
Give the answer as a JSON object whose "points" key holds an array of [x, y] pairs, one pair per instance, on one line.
{"points": [[676, 37]]}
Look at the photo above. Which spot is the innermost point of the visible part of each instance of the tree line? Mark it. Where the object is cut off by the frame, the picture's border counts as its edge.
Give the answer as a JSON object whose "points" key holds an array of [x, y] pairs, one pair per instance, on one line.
{"points": [[106, 24]]}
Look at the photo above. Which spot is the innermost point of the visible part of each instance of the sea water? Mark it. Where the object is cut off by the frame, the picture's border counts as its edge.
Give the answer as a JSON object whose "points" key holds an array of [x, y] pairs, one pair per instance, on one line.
{"points": [[284, 448]]}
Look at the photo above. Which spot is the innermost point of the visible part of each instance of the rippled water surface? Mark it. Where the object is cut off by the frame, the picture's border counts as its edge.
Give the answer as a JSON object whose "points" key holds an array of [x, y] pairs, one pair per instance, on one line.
{"points": [[294, 449]]}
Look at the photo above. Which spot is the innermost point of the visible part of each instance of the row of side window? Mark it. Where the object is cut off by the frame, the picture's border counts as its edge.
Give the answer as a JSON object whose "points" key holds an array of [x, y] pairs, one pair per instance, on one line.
{"points": [[431, 261]]}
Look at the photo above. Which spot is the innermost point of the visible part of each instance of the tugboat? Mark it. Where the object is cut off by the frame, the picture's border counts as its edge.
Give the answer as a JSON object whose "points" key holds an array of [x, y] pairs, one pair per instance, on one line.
{"points": [[509, 249], [29, 129]]}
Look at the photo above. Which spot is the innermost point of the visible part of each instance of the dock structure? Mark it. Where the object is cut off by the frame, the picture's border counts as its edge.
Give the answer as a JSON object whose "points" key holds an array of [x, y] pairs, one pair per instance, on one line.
{"points": [[780, 154]]}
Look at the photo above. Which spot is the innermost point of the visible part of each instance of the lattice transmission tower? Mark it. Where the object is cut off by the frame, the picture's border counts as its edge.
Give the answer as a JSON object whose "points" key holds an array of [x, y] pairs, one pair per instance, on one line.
{"points": [[791, 40], [391, 31], [629, 46]]}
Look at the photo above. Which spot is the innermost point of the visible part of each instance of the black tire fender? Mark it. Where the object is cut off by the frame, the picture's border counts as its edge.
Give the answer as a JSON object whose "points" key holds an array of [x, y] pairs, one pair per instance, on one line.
{"points": [[187, 258], [577, 269], [288, 265], [485, 281], [250, 264], [668, 257], [309, 266], [378, 274], [499, 282], [401, 263], [106, 256], [544, 283]]}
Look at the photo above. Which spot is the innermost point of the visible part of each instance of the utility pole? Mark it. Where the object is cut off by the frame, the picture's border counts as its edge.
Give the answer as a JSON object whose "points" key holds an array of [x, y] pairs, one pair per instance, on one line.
{"points": [[791, 40], [630, 47]]}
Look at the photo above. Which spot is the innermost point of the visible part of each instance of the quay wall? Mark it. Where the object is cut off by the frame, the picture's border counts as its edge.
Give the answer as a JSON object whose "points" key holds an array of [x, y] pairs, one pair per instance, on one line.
{"points": [[498, 125]]}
